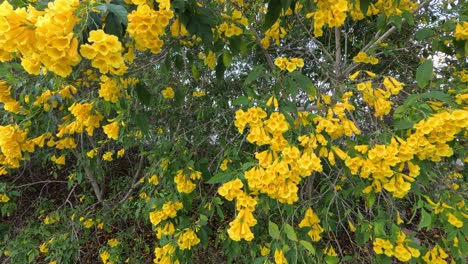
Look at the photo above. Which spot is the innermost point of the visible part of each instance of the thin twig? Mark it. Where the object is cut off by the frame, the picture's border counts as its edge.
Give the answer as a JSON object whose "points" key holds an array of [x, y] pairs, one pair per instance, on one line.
{"points": [[136, 180]]}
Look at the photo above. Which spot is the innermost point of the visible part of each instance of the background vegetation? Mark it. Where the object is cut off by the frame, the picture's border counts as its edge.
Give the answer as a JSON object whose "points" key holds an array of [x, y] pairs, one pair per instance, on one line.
{"points": [[186, 131]]}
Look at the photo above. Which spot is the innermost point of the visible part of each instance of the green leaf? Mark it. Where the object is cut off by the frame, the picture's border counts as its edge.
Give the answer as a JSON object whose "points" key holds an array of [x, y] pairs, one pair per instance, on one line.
{"points": [[290, 86], [199, 21], [424, 33], [120, 12], [254, 74], [403, 124], [304, 82], [273, 230], [424, 73], [382, 21], [364, 5], [379, 229], [408, 16], [222, 177], [247, 165], [142, 122], [307, 245], [227, 59], [273, 13], [142, 94], [290, 233], [195, 73], [113, 26], [332, 260], [426, 220], [203, 219], [241, 100]]}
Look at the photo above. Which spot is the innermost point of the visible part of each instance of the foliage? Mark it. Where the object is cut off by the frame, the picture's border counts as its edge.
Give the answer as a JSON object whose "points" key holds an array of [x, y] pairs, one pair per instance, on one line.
{"points": [[180, 131]]}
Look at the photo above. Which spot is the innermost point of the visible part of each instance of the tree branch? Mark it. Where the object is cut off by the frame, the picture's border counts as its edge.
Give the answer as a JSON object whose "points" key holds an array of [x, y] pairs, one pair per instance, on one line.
{"points": [[271, 65], [379, 38], [338, 54]]}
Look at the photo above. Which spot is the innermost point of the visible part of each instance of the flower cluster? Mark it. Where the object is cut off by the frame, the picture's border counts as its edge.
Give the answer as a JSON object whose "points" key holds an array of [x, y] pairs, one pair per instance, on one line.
{"points": [[335, 123], [165, 254], [388, 7], [401, 250], [188, 239], [245, 204], [289, 64], [146, 26], [40, 37], [378, 98], [105, 52], [109, 89], [435, 256], [282, 166], [178, 29], [461, 31], [429, 141], [440, 207], [9, 103], [276, 33], [13, 143], [168, 210], [391, 7], [183, 180], [311, 220], [229, 29], [166, 230], [85, 118], [112, 130], [364, 58], [330, 12]]}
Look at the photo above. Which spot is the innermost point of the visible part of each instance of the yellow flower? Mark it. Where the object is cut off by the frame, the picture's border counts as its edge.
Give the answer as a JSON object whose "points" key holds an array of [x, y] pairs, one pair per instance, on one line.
{"points": [[224, 164], [353, 76], [279, 257], [58, 160], [51, 219], [120, 153], [231, 189], [88, 223], [453, 220], [240, 226], [330, 251], [112, 130], [461, 31], [399, 220], [91, 153], [199, 94], [107, 156], [167, 229], [43, 248], [264, 250], [168, 93], [4, 198], [153, 179], [351, 226], [113, 242], [311, 220], [105, 256], [188, 239]]}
